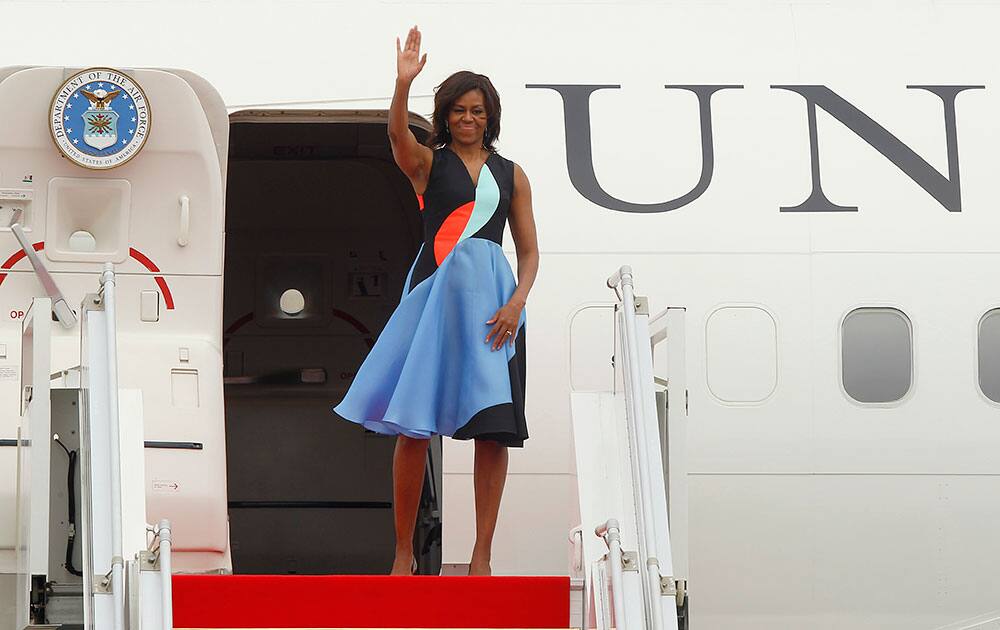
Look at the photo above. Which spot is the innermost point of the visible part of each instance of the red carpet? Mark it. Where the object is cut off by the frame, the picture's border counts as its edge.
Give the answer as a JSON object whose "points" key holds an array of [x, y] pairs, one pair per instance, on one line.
{"points": [[369, 601]]}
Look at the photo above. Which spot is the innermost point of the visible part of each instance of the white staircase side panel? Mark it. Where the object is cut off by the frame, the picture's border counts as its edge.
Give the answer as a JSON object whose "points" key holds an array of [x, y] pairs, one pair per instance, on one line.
{"points": [[33, 450], [133, 472], [603, 475]]}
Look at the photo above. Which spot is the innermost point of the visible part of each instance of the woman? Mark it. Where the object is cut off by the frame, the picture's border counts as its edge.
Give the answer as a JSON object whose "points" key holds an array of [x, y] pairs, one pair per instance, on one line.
{"points": [[430, 372]]}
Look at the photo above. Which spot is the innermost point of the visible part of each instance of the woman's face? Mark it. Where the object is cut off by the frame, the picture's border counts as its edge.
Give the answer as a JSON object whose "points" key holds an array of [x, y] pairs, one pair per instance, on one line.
{"points": [[467, 118]]}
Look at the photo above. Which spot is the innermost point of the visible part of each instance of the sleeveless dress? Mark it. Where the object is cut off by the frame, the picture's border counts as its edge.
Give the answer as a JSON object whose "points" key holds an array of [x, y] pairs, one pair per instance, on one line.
{"points": [[430, 371]]}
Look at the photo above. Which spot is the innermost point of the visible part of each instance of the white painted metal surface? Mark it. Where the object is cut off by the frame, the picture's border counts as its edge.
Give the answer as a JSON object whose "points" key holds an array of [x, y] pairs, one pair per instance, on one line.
{"points": [[166, 586], [667, 335], [648, 481], [114, 505], [139, 233], [97, 464], [33, 451], [622, 477], [613, 562], [109, 371]]}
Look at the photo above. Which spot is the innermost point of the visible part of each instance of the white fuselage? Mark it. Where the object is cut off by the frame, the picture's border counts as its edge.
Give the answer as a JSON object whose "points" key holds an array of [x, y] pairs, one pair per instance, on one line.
{"points": [[808, 509]]}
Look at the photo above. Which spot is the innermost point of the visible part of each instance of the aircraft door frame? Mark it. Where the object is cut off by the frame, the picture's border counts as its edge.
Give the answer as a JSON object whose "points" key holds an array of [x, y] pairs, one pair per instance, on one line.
{"points": [[667, 343]]}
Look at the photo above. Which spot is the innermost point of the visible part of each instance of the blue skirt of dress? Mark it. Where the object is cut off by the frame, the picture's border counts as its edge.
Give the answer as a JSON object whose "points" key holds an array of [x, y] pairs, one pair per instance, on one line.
{"points": [[430, 372]]}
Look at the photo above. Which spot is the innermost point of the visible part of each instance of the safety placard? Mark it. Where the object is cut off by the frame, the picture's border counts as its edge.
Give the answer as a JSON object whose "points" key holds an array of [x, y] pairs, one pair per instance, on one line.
{"points": [[165, 486], [16, 194]]}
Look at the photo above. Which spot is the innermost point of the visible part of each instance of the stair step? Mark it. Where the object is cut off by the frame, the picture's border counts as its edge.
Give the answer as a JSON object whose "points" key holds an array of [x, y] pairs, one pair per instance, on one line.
{"points": [[203, 602]]}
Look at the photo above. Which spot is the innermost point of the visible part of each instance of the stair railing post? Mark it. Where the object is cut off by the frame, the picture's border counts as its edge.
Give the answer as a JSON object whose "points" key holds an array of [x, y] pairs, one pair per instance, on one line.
{"points": [[111, 371], [637, 419]]}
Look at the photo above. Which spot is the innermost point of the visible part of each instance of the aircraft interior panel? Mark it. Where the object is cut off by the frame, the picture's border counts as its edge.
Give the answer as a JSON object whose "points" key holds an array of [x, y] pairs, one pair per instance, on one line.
{"points": [[322, 228]]}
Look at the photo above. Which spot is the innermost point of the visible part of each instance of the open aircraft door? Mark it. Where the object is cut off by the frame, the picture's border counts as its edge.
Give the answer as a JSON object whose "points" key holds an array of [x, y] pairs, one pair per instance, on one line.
{"points": [[124, 167]]}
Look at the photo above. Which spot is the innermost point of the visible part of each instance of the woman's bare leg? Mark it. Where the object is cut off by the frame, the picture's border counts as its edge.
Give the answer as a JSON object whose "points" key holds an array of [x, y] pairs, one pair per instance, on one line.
{"points": [[408, 463], [489, 475]]}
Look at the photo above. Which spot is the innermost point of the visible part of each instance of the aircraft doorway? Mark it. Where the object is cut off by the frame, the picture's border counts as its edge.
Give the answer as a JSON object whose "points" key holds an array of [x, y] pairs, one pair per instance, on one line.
{"points": [[321, 227]]}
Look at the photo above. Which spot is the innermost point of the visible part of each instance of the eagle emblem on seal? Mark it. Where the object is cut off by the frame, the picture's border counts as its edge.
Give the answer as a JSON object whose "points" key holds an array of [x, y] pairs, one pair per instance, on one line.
{"points": [[101, 121], [99, 118]]}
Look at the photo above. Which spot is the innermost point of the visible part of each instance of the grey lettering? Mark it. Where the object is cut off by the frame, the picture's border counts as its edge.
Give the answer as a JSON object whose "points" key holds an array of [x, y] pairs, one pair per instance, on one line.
{"points": [[946, 190], [579, 149]]}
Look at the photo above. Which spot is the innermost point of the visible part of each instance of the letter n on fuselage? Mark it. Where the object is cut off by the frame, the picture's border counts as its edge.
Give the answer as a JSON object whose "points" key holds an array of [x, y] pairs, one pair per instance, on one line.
{"points": [[946, 190]]}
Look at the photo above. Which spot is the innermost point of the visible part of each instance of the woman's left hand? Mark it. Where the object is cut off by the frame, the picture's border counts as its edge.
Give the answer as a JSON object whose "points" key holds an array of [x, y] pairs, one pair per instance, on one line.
{"points": [[504, 324]]}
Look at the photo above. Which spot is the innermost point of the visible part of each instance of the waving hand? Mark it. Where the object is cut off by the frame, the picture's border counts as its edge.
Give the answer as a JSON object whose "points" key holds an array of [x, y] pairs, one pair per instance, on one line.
{"points": [[408, 60]]}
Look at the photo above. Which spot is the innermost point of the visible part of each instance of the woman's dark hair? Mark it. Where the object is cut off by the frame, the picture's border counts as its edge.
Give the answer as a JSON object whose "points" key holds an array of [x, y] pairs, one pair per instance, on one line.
{"points": [[450, 90]]}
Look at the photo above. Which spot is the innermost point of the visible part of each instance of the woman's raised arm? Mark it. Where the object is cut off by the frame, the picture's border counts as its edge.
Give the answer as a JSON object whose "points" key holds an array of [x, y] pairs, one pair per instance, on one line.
{"points": [[413, 158]]}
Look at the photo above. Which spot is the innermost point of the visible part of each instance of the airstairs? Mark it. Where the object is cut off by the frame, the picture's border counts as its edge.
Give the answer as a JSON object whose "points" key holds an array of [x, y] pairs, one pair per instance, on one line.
{"points": [[630, 548], [78, 426]]}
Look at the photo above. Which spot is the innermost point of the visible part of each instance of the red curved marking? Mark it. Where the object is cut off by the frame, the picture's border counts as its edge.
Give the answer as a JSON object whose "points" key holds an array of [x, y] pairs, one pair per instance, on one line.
{"points": [[144, 260], [420, 202], [350, 319], [347, 317], [17, 256], [168, 298], [450, 230], [239, 323]]}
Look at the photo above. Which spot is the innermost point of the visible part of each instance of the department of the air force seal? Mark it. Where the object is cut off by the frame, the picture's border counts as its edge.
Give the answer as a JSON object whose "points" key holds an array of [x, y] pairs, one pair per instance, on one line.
{"points": [[100, 118]]}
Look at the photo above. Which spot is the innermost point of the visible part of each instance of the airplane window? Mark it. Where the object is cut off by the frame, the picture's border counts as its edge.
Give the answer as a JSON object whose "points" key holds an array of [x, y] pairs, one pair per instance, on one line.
{"points": [[292, 302], [989, 354], [877, 355], [741, 354]]}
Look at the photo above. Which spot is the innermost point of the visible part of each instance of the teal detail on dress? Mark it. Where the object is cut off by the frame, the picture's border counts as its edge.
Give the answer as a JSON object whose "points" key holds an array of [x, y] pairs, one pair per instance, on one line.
{"points": [[487, 200]]}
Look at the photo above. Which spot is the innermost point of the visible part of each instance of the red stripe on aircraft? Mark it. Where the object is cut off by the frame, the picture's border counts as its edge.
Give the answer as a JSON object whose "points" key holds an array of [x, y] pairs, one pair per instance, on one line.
{"points": [[144, 260], [347, 317], [168, 298], [18, 256], [239, 323]]}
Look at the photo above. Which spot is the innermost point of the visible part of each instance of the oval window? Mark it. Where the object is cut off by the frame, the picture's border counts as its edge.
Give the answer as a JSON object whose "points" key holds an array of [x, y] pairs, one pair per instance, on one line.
{"points": [[989, 354], [292, 302], [876, 355]]}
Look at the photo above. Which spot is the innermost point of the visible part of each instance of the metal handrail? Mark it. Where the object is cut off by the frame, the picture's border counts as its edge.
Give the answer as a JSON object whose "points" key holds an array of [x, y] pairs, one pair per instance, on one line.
{"points": [[60, 308], [117, 561], [611, 533], [635, 391], [166, 590]]}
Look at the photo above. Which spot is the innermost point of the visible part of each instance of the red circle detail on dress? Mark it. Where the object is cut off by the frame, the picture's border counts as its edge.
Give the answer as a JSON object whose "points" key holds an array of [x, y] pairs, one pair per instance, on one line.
{"points": [[448, 234]]}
